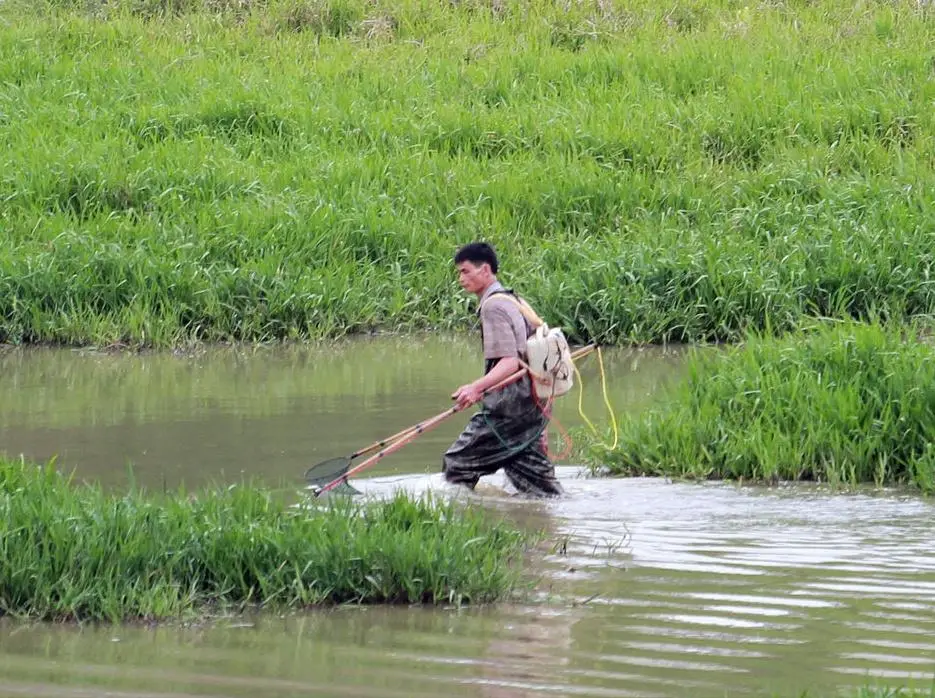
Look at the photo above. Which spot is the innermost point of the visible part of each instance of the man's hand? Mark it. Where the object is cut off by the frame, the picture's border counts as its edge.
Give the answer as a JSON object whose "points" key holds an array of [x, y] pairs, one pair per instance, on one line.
{"points": [[467, 395], [470, 393]]}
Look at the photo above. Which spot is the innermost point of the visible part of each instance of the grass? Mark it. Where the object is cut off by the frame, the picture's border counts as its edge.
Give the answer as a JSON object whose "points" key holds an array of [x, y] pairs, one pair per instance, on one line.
{"points": [[180, 170], [844, 404], [71, 551]]}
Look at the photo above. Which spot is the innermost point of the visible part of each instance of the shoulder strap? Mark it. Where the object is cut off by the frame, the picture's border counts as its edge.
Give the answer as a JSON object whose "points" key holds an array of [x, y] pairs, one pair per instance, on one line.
{"points": [[523, 306]]}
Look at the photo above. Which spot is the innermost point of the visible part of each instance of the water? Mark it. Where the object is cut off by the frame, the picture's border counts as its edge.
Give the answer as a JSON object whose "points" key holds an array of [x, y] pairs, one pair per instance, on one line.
{"points": [[652, 588], [267, 413]]}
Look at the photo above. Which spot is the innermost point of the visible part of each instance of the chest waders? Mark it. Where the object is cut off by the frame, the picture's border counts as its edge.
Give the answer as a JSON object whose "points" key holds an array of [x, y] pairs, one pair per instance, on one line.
{"points": [[504, 434]]}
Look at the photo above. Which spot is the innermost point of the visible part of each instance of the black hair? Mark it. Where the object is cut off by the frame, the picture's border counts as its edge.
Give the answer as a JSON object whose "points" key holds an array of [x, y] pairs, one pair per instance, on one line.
{"points": [[477, 253]]}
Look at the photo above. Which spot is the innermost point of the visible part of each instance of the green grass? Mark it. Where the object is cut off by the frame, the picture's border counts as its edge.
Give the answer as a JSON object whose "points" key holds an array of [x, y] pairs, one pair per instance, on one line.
{"points": [[178, 170], [72, 551], [845, 404]]}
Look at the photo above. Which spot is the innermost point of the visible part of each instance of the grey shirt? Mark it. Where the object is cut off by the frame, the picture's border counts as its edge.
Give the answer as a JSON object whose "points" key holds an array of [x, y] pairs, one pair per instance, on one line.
{"points": [[503, 327]]}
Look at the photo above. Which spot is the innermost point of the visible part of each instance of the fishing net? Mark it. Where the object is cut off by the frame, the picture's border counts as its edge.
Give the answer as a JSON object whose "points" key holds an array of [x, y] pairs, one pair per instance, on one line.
{"points": [[326, 472]]}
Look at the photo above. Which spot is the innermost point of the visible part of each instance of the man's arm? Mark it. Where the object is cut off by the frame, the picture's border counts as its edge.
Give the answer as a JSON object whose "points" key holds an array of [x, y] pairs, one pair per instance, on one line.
{"points": [[473, 392]]}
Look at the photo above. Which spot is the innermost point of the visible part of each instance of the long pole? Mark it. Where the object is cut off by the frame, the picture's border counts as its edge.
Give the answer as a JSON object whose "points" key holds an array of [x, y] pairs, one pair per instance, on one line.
{"points": [[416, 430]]}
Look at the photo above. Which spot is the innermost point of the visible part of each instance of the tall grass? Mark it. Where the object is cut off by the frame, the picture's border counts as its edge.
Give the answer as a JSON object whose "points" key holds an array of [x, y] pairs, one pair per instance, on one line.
{"points": [[174, 170], [70, 551], [844, 404]]}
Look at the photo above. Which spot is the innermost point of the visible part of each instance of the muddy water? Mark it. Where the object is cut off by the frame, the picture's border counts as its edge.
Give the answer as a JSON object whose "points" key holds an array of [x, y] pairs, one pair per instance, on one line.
{"points": [[652, 589], [267, 413]]}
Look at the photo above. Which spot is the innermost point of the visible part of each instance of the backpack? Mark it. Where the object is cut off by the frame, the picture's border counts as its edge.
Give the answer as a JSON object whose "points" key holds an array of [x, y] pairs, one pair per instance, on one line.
{"points": [[547, 352]]}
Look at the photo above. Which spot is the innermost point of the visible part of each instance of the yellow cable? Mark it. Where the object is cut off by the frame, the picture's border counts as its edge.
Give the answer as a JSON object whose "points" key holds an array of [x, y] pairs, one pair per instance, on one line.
{"points": [[610, 409], [580, 396]]}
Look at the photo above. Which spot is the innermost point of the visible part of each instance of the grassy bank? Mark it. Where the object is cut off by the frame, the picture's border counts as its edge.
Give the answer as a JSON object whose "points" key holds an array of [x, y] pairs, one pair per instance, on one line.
{"points": [[71, 551], [845, 404], [650, 171]]}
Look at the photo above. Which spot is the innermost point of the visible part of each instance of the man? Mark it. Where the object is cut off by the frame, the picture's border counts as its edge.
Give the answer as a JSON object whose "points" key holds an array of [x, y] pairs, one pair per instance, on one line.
{"points": [[508, 431]]}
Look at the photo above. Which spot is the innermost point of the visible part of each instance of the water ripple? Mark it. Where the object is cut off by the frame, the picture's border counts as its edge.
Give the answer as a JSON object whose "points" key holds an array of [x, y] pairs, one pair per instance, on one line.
{"points": [[653, 589]]}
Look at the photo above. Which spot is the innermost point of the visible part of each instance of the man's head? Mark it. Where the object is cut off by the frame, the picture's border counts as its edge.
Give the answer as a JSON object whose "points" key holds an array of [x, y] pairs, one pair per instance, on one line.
{"points": [[477, 266]]}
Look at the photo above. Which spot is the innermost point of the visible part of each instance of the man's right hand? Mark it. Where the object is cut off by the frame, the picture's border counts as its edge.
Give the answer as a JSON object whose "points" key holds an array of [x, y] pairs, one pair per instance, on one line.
{"points": [[467, 395]]}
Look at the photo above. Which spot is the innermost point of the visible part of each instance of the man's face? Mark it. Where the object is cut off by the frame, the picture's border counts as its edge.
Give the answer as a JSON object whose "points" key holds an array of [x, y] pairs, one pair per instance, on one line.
{"points": [[474, 278]]}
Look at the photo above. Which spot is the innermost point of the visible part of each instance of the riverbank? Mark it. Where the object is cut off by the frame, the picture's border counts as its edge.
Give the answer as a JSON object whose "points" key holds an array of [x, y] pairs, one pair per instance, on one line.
{"points": [[70, 551], [299, 169], [842, 404]]}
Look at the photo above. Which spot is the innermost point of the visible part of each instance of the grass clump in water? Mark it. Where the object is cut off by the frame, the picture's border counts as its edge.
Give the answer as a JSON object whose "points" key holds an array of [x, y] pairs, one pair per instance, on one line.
{"points": [[850, 403], [72, 551]]}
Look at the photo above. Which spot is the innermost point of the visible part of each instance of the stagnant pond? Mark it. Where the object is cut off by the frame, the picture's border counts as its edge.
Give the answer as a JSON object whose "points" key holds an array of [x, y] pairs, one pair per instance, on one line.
{"points": [[654, 588]]}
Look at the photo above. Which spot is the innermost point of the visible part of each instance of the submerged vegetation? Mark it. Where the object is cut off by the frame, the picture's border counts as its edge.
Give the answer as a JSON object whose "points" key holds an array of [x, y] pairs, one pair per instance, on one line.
{"points": [[846, 404], [72, 551], [177, 170]]}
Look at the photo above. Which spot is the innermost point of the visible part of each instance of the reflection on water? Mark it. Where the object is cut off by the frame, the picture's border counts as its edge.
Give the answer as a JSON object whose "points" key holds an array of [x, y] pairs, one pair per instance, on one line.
{"points": [[262, 412], [651, 588]]}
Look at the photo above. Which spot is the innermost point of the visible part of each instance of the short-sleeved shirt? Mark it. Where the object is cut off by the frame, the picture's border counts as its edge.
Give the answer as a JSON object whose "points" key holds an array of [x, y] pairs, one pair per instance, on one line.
{"points": [[503, 327]]}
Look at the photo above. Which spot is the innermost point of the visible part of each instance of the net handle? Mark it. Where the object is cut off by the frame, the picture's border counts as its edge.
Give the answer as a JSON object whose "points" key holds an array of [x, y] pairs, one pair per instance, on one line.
{"points": [[356, 454], [407, 435], [381, 443]]}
